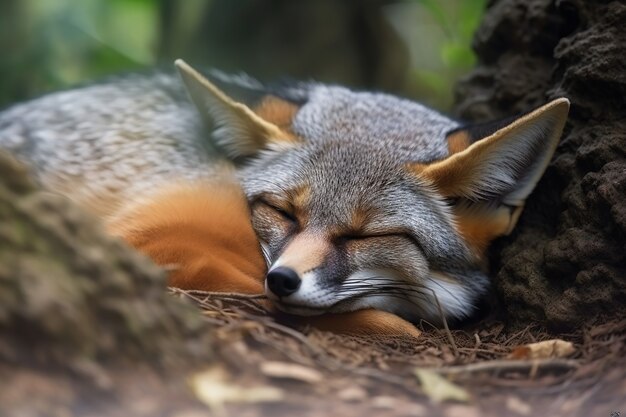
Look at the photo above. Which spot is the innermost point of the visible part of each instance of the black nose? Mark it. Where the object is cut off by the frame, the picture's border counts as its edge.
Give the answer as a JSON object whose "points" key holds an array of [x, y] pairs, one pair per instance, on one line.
{"points": [[283, 281]]}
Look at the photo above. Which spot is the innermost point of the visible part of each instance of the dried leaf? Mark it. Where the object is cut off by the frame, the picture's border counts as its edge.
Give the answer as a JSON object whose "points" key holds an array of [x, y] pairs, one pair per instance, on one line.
{"points": [[291, 371], [555, 348], [518, 406], [439, 389], [213, 388], [385, 402], [352, 394]]}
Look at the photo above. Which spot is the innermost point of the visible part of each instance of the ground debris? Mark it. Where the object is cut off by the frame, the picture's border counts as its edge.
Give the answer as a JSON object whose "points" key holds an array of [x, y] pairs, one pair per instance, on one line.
{"points": [[555, 348], [439, 389], [91, 336], [214, 388]]}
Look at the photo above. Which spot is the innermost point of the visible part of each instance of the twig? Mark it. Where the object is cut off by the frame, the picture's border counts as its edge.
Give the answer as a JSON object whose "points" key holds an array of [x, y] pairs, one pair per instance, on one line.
{"points": [[218, 294], [455, 350], [202, 297], [499, 366]]}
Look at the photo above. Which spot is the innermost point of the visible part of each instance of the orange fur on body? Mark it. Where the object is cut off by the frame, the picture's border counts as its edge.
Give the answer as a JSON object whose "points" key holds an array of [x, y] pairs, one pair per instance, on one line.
{"points": [[198, 232], [203, 234]]}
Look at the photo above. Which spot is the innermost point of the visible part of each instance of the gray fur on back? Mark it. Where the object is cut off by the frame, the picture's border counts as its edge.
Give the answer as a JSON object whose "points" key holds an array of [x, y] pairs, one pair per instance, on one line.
{"points": [[131, 134], [121, 137], [405, 129]]}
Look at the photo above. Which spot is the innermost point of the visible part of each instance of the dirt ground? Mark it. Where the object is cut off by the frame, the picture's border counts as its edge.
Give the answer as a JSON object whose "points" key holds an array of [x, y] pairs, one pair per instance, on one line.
{"points": [[87, 328], [255, 366]]}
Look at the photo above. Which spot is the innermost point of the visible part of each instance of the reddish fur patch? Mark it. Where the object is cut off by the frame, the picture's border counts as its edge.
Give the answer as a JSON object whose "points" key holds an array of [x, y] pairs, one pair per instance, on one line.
{"points": [[364, 322], [458, 141], [455, 175], [203, 232], [305, 252], [359, 219], [299, 200], [479, 228], [277, 111]]}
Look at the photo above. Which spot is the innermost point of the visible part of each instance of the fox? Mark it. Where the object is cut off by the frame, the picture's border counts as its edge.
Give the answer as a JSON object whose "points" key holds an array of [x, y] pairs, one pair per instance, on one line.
{"points": [[359, 200], [201, 231]]}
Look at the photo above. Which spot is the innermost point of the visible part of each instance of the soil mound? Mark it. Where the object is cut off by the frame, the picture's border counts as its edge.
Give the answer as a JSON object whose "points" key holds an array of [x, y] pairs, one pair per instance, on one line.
{"points": [[565, 264]]}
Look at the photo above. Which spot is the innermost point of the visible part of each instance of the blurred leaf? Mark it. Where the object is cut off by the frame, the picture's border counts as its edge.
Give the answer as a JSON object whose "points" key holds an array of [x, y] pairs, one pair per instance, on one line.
{"points": [[213, 388], [554, 348], [128, 27], [291, 371], [470, 12], [436, 10], [436, 81], [455, 55], [439, 389]]}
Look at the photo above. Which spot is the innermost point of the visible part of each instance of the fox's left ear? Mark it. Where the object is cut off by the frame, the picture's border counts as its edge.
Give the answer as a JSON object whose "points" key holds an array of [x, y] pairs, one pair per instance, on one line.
{"points": [[237, 129], [503, 166]]}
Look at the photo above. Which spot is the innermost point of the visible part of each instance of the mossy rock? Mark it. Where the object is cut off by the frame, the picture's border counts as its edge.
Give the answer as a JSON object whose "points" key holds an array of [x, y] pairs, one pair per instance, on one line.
{"points": [[70, 292]]}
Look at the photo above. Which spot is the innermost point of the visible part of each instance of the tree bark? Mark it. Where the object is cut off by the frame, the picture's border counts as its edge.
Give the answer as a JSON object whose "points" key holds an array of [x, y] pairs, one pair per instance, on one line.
{"points": [[565, 263]]}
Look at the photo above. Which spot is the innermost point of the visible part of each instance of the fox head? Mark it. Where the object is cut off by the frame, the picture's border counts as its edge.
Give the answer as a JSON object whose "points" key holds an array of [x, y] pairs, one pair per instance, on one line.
{"points": [[365, 200]]}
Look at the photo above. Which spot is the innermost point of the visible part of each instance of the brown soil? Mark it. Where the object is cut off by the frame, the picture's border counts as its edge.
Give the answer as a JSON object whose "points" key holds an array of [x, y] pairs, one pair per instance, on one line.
{"points": [[355, 376], [565, 263]]}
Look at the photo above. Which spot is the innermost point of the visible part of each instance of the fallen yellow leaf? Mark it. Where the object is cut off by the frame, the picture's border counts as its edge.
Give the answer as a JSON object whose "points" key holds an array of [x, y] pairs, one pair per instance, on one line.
{"points": [[291, 371], [213, 388], [439, 389], [555, 348]]}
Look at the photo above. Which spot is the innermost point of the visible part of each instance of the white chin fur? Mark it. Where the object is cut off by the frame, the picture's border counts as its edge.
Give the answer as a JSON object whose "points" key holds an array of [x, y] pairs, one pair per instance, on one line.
{"points": [[310, 299], [454, 299]]}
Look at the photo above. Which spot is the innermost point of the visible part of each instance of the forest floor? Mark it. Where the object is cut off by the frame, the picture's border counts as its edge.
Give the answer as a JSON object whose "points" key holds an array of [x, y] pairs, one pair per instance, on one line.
{"points": [[259, 367]]}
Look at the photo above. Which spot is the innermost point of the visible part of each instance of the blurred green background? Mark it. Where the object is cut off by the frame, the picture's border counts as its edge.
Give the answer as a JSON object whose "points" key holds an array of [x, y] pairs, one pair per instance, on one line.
{"points": [[415, 48]]}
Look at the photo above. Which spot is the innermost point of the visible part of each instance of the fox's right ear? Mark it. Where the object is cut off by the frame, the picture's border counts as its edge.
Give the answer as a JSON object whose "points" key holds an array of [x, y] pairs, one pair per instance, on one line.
{"points": [[238, 130], [492, 170], [503, 165]]}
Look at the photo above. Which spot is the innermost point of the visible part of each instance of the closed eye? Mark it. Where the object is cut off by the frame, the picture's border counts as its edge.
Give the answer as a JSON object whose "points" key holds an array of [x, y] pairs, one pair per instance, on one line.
{"points": [[284, 213], [347, 237]]}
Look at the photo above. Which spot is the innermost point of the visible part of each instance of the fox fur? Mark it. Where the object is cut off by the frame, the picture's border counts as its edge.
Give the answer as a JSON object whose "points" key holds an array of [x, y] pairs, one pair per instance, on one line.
{"points": [[359, 200]]}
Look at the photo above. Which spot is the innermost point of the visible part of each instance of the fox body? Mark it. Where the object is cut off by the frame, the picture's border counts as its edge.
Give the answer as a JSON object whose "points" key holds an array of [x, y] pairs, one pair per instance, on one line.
{"points": [[360, 200]]}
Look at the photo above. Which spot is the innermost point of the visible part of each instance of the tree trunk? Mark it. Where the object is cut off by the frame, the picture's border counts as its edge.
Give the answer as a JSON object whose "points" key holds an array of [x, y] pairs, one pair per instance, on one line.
{"points": [[565, 263]]}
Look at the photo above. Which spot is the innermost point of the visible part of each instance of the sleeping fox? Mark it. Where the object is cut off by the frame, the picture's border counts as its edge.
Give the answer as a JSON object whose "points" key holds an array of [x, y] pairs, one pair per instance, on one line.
{"points": [[359, 200], [202, 232]]}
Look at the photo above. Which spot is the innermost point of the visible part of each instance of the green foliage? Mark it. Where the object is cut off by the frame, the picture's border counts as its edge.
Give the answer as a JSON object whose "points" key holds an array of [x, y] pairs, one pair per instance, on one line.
{"points": [[55, 44], [48, 45], [458, 20]]}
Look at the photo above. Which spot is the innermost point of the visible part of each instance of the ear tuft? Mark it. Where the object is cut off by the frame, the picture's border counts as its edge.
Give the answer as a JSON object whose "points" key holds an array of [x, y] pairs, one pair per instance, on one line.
{"points": [[238, 130]]}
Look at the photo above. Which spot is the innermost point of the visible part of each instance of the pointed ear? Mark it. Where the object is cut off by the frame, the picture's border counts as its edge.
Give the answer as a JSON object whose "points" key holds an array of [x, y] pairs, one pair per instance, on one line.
{"points": [[505, 166], [500, 169], [239, 130]]}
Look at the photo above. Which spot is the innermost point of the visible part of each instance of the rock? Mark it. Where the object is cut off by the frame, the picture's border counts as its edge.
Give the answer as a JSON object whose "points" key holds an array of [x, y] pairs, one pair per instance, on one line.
{"points": [[565, 264], [70, 293]]}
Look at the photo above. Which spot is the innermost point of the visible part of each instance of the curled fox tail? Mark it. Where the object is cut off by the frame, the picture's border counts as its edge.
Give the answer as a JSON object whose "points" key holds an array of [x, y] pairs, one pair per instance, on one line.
{"points": [[203, 233]]}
